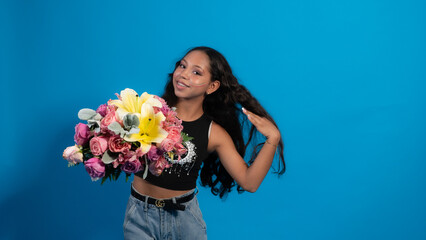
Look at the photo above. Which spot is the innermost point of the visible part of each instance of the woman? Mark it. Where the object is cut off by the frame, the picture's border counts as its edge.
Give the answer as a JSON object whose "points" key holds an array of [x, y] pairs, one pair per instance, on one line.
{"points": [[206, 95]]}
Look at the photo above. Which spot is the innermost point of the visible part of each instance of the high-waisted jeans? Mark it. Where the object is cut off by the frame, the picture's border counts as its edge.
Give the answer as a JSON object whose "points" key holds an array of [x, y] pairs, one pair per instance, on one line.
{"points": [[146, 221]]}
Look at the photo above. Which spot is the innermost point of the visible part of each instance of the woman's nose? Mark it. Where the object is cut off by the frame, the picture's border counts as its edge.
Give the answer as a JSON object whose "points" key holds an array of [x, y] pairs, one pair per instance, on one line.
{"points": [[184, 73]]}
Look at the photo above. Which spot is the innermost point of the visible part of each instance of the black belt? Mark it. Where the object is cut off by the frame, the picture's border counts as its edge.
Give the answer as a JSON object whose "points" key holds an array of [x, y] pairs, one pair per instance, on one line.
{"points": [[166, 204]]}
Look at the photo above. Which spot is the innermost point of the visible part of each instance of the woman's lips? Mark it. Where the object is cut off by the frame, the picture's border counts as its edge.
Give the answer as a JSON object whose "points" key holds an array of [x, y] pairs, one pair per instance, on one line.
{"points": [[181, 85]]}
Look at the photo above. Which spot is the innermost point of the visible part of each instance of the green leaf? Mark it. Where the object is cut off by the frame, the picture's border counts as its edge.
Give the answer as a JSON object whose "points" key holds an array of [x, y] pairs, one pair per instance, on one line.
{"points": [[116, 128], [118, 172], [130, 121], [145, 173], [133, 131], [136, 144], [94, 125], [97, 117], [109, 157], [185, 137], [86, 114]]}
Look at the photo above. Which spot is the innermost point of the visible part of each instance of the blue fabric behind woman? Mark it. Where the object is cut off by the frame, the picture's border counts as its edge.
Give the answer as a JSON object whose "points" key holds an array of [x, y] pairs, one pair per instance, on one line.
{"points": [[346, 76]]}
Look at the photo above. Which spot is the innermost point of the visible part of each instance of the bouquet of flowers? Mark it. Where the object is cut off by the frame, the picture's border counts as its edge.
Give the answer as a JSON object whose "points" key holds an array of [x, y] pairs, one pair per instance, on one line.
{"points": [[131, 134]]}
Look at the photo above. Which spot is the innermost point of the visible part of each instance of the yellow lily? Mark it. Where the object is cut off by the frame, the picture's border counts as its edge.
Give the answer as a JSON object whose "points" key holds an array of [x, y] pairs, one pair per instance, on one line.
{"points": [[131, 102], [150, 130]]}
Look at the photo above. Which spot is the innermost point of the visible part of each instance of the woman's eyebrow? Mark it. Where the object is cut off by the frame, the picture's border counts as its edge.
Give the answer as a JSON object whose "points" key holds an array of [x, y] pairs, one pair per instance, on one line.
{"points": [[183, 59]]}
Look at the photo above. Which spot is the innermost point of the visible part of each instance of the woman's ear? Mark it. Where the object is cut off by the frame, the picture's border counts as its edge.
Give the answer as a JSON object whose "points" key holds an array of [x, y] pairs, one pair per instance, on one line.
{"points": [[213, 87]]}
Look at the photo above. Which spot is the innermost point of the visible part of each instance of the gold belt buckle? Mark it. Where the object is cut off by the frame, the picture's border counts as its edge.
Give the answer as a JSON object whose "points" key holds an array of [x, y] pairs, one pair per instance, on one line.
{"points": [[159, 203]]}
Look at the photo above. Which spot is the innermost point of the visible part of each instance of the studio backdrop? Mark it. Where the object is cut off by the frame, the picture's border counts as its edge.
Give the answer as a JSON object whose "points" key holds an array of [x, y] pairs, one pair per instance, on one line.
{"points": [[344, 80]]}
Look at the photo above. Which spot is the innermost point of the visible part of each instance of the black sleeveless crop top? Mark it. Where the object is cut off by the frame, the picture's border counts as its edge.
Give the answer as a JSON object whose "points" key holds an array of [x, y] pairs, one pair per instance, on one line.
{"points": [[183, 175]]}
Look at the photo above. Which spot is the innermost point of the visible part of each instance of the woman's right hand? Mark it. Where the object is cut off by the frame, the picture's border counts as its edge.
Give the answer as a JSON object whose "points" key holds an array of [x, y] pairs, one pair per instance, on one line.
{"points": [[264, 126]]}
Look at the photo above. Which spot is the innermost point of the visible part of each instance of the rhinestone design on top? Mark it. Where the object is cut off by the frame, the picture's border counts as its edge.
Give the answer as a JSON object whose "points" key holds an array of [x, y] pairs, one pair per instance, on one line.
{"points": [[186, 163]]}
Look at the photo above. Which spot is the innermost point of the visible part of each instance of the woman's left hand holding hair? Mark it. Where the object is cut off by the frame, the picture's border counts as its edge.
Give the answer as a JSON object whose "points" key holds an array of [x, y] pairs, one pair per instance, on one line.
{"points": [[265, 127]]}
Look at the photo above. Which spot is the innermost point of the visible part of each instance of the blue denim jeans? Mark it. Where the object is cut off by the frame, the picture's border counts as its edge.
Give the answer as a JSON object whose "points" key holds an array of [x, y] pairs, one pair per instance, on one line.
{"points": [[146, 221]]}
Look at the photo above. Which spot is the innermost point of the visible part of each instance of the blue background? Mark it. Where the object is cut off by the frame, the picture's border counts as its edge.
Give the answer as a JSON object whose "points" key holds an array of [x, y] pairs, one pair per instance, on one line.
{"points": [[345, 81]]}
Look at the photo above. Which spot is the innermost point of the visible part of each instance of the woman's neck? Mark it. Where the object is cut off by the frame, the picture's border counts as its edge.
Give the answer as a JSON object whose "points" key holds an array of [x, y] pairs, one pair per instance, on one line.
{"points": [[189, 110]]}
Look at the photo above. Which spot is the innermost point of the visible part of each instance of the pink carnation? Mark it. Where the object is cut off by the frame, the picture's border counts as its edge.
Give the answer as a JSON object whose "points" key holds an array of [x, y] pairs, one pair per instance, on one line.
{"points": [[168, 144], [180, 149], [172, 117], [119, 161], [139, 152], [127, 156], [174, 133], [157, 167], [165, 109]]}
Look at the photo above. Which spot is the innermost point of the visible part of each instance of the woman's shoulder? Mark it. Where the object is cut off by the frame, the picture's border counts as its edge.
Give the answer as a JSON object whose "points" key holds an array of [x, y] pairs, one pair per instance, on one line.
{"points": [[216, 128], [218, 136]]}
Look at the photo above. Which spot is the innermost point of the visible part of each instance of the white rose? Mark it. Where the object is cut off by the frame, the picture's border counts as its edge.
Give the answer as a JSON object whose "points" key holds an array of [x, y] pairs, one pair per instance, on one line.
{"points": [[73, 154]]}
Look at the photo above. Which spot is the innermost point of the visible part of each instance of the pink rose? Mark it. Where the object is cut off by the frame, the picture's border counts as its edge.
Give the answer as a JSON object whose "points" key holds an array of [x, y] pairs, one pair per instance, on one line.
{"points": [[157, 167], [95, 167], [131, 166], [107, 120], [73, 154], [168, 144], [82, 134], [117, 144], [98, 145], [102, 110]]}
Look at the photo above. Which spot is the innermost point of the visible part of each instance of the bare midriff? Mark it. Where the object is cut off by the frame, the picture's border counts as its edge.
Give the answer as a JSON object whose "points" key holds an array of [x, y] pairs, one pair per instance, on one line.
{"points": [[147, 189]]}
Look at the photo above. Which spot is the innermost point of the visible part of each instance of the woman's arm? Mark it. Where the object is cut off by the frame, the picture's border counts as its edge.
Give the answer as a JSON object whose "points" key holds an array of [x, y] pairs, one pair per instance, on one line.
{"points": [[251, 177]]}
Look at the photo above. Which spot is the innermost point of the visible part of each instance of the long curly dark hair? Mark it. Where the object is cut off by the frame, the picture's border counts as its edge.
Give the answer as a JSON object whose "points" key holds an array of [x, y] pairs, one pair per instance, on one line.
{"points": [[224, 107]]}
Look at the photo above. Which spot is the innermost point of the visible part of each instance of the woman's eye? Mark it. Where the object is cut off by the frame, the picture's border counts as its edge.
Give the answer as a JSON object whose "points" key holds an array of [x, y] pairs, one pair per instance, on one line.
{"points": [[197, 73], [181, 65]]}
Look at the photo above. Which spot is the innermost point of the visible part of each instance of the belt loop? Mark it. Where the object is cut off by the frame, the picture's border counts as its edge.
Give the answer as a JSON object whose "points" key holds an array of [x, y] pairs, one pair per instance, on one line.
{"points": [[146, 204], [174, 200]]}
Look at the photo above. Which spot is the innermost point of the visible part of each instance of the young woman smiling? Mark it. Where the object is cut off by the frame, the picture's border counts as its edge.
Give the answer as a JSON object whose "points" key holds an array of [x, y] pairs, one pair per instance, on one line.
{"points": [[208, 100]]}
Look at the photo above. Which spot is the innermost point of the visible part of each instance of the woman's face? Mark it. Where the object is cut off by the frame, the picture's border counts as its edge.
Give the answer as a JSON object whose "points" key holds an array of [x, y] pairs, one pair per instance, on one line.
{"points": [[192, 76]]}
